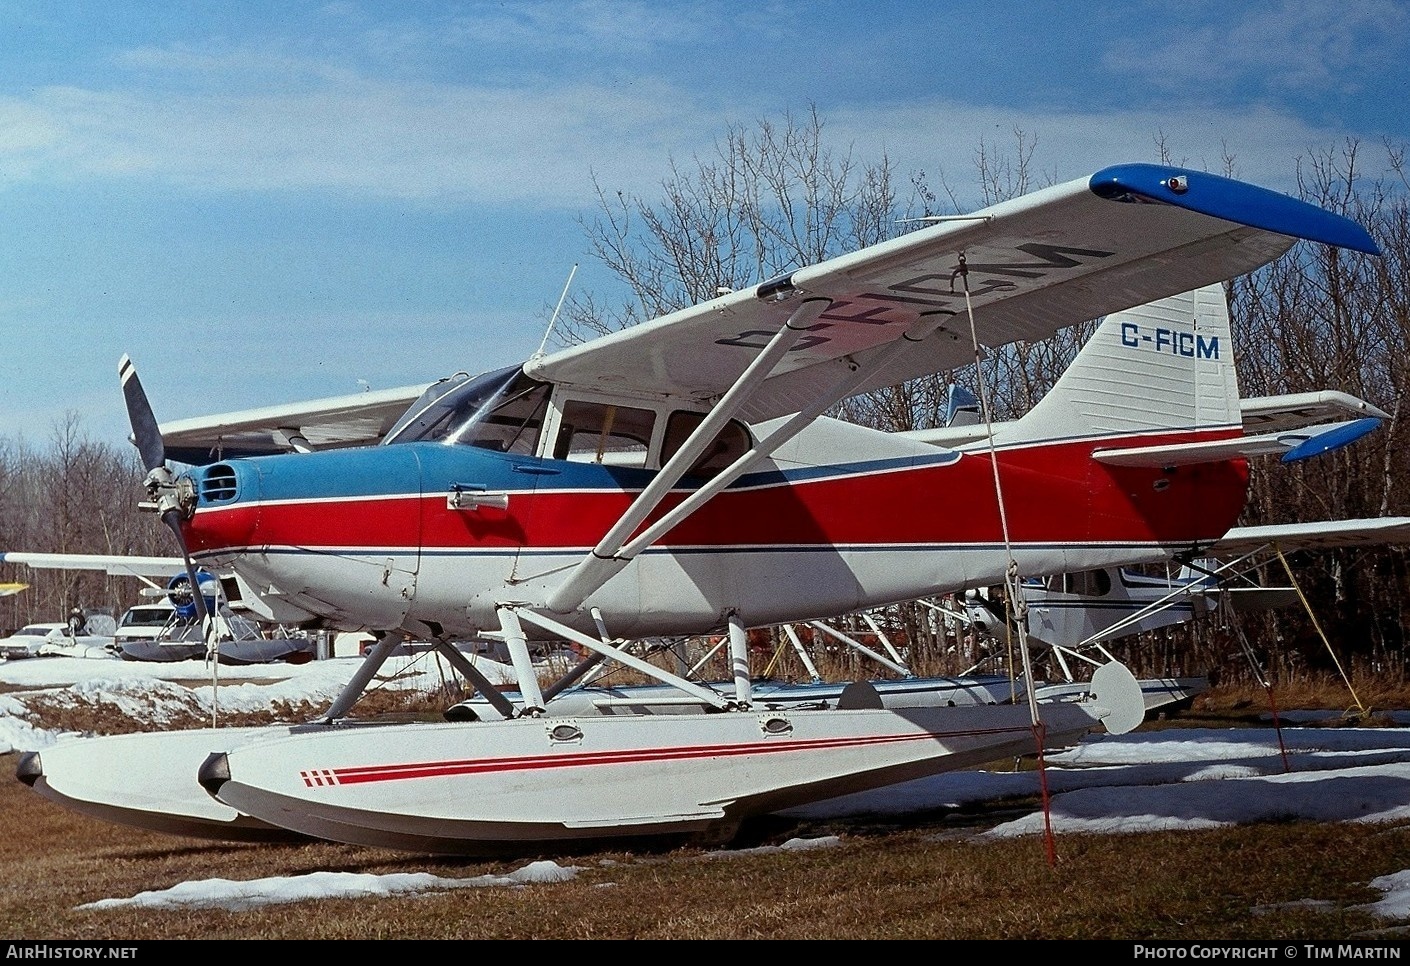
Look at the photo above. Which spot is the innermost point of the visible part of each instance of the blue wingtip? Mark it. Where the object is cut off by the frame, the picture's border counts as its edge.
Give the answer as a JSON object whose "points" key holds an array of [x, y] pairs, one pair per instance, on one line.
{"points": [[1236, 201], [1331, 439]]}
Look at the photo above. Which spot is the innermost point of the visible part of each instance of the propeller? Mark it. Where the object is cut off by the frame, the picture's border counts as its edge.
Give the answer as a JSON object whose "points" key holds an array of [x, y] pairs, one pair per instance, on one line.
{"points": [[169, 496]]}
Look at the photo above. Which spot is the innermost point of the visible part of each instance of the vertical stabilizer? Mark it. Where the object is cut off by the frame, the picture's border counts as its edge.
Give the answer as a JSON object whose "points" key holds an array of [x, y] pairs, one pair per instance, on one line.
{"points": [[1165, 366]]}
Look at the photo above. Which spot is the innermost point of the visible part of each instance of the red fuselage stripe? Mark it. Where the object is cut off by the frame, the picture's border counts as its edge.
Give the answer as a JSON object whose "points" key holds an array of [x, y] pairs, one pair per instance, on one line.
{"points": [[1053, 494]]}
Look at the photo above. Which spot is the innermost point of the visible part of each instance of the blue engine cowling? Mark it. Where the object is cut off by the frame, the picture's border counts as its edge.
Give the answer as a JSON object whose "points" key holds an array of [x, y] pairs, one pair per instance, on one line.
{"points": [[178, 591]]}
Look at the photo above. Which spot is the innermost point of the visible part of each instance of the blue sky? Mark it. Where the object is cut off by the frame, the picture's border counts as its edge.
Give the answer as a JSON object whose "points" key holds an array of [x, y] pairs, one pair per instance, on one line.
{"points": [[266, 202]]}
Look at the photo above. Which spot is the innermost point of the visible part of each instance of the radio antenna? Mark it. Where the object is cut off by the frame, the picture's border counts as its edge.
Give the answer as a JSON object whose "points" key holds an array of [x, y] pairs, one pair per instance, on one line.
{"points": [[559, 308]]}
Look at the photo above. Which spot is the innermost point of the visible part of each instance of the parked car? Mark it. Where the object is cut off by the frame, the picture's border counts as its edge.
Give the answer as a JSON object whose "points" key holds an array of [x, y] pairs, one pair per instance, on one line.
{"points": [[27, 641], [148, 622]]}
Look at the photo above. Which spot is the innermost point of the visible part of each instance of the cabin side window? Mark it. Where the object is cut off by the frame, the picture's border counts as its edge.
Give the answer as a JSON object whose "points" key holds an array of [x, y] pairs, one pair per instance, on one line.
{"points": [[729, 443], [594, 432], [1090, 583]]}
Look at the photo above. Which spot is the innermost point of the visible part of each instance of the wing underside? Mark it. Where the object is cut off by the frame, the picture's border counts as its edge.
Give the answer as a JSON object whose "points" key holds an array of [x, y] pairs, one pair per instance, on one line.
{"points": [[359, 419], [1027, 267], [115, 564]]}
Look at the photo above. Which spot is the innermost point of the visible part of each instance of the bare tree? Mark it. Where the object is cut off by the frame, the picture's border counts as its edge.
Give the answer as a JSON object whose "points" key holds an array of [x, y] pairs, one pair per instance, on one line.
{"points": [[770, 199], [77, 496], [1323, 318]]}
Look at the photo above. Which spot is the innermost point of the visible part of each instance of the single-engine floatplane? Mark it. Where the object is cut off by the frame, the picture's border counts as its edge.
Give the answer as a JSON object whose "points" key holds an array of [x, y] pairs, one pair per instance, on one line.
{"points": [[680, 478]]}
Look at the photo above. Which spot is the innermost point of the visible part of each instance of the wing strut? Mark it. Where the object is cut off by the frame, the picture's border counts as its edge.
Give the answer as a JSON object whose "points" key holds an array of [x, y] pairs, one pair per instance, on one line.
{"points": [[597, 569], [802, 653], [857, 645]]}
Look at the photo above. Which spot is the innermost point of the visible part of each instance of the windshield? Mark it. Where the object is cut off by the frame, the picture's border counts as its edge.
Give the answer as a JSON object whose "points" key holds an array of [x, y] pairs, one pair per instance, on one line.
{"points": [[501, 410]]}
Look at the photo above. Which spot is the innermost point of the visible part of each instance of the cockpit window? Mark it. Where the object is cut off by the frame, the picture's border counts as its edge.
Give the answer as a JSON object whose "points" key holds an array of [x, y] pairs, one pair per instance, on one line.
{"points": [[593, 432], [501, 410], [422, 416]]}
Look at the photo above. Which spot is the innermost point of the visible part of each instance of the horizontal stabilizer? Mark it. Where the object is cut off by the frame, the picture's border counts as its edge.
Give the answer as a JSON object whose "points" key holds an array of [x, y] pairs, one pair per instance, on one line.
{"points": [[1292, 445], [1259, 414], [1275, 414], [1318, 535], [1254, 599]]}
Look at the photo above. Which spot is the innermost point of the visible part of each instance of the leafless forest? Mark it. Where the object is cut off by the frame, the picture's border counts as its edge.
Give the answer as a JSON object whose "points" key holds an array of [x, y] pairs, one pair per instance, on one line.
{"points": [[774, 196]]}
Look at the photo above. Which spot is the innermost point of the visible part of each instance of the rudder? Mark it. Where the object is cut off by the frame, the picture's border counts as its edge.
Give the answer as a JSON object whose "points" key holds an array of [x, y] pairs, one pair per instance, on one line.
{"points": [[1168, 365]]}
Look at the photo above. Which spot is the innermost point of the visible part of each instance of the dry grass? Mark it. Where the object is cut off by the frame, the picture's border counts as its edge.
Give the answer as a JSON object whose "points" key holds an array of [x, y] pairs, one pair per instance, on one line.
{"points": [[1360, 699], [927, 877], [930, 879]]}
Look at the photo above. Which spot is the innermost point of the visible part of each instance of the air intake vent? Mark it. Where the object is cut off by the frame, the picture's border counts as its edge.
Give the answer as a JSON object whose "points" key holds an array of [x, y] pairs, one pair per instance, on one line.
{"points": [[218, 484]]}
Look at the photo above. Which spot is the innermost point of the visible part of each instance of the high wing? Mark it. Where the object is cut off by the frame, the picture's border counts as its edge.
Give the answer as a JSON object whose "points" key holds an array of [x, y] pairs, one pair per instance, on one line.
{"points": [[1127, 235], [357, 419]]}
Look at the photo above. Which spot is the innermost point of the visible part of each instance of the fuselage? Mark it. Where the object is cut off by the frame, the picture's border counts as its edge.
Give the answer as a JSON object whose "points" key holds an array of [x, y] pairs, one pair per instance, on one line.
{"points": [[431, 537]]}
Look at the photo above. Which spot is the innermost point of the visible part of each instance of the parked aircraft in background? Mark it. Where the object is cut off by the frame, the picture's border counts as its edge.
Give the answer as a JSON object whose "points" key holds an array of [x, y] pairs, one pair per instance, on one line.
{"points": [[170, 629], [679, 478]]}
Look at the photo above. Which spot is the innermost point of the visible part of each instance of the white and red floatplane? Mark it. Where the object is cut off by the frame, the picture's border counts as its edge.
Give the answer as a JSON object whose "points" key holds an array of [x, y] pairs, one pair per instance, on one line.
{"points": [[679, 478]]}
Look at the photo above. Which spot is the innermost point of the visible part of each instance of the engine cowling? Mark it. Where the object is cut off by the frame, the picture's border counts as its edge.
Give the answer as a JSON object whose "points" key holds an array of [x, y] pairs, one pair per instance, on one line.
{"points": [[178, 591]]}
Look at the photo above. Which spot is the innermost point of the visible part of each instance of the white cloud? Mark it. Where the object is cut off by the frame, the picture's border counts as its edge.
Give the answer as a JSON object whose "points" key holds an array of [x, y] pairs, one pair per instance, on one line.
{"points": [[942, 137], [417, 142], [535, 146], [373, 110], [1288, 46], [620, 28]]}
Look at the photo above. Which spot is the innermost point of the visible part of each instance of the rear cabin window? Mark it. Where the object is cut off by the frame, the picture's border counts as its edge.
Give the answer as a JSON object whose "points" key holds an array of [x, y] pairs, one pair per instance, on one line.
{"points": [[728, 445], [1089, 583]]}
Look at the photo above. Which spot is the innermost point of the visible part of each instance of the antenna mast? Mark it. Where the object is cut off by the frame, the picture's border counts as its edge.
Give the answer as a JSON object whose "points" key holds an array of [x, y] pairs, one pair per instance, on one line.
{"points": [[554, 320]]}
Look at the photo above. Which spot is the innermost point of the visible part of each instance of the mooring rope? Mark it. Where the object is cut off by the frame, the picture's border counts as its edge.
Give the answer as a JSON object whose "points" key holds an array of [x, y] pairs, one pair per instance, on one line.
{"points": [[1012, 586]]}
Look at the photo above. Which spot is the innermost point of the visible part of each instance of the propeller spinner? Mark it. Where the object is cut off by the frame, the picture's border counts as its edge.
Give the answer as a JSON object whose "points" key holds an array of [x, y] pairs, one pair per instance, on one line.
{"points": [[168, 495]]}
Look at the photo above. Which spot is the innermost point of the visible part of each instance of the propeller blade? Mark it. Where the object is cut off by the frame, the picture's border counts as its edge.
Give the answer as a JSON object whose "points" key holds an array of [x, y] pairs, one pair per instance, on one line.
{"points": [[149, 443], [139, 414], [172, 518]]}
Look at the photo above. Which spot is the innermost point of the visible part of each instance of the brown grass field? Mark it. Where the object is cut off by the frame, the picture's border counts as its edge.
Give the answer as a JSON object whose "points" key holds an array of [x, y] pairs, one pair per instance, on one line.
{"points": [[927, 877]]}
